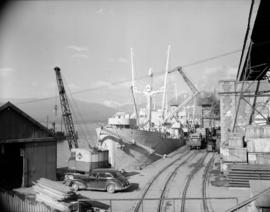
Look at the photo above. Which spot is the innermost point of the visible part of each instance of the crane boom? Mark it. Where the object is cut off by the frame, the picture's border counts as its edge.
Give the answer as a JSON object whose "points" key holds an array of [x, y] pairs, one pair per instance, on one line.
{"points": [[187, 80], [66, 112], [192, 87]]}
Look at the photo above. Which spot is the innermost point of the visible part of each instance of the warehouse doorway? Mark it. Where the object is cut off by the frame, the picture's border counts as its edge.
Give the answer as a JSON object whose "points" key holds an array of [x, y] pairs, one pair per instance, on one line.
{"points": [[11, 165]]}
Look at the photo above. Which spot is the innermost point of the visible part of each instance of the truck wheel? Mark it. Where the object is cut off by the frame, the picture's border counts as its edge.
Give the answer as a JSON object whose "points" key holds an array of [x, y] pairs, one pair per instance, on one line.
{"points": [[111, 188], [75, 186]]}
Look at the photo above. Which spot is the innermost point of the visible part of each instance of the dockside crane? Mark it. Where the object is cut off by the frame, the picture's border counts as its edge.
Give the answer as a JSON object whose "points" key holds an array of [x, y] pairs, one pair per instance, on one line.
{"points": [[71, 134], [193, 89]]}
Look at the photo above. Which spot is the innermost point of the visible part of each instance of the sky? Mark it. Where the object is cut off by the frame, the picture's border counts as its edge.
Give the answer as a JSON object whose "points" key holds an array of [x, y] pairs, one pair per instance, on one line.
{"points": [[90, 41]]}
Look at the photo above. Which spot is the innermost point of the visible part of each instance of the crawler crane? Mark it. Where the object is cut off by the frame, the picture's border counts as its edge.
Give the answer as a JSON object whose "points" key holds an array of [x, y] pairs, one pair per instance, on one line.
{"points": [[82, 160]]}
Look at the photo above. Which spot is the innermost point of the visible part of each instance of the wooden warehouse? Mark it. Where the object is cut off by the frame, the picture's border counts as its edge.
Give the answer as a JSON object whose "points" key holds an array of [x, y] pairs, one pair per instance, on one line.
{"points": [[27, 149]]}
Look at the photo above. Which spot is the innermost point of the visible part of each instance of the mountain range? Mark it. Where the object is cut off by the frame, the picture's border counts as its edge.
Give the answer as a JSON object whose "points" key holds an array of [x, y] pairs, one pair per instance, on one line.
{"points": [[82, 111]]}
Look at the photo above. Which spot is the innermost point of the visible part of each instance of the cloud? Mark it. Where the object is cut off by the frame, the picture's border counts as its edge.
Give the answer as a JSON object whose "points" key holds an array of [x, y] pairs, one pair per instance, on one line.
{"points": [[122, 60], [34, 84], [112, 104], [100, 84], [210, 76], [212, 70], [231, 73], [125, 84], [5, 71], [222, 72], [105, 84], [73, 86], [83, 56], [100, 11], [118, 60], [78, 48]]}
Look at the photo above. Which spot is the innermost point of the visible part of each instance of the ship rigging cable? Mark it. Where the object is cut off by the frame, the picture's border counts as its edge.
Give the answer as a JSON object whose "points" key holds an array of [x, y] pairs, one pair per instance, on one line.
{"points": [[139, 78], [75, 110]]}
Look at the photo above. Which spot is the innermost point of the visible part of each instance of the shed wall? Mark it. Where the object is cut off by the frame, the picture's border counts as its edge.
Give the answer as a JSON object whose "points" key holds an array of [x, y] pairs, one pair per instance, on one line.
{"points": [[41, 161], [14, 125]]}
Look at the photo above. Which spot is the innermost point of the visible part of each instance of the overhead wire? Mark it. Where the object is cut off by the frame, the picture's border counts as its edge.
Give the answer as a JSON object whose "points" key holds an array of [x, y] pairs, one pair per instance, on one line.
{"points": [[138, 78]]}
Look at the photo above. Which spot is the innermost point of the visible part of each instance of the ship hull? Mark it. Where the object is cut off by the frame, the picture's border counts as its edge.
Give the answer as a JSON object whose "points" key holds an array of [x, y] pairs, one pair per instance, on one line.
{"points": [[131, 149]]}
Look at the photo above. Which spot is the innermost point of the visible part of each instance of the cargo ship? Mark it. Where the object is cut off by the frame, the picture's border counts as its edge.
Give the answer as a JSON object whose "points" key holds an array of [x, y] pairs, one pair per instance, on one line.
{"points": [[132, 148], [136, 140]]}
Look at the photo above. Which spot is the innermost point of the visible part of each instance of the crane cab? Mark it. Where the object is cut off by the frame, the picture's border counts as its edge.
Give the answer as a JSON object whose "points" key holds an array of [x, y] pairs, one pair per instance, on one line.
{"points": [[84, 160]]}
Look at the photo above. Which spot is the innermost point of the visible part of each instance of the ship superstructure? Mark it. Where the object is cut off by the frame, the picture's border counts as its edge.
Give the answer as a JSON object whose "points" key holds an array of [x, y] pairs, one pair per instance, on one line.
{"points": [[137, 140]]}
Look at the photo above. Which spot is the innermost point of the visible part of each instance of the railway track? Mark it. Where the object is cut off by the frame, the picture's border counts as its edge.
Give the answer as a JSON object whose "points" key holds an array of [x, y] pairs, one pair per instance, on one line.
{"points": [[205, 178], [165, 188], [194, 171], [147, 188]]}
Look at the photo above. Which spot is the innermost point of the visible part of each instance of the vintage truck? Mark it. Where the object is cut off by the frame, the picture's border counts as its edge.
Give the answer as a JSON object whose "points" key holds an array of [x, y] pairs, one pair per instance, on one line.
{"points": [[195, 140]]}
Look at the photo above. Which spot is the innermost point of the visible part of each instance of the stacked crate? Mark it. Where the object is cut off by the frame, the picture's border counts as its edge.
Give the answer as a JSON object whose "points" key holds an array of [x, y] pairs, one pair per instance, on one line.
{"points": [[258, 144], [233, 152]]}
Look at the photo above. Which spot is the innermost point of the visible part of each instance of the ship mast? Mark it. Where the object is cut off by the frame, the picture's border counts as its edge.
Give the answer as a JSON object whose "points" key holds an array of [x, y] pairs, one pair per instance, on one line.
{"points": [[165, 82], [133, 86], [149, 93]]}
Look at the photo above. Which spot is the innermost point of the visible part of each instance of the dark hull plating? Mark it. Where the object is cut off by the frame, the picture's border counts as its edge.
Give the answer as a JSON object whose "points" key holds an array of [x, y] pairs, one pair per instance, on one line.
{"points": [[135, 149]]}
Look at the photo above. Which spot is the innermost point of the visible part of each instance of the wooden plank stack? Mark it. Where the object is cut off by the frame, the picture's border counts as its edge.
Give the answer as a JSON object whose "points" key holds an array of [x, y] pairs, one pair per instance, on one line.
{"points": [[240, 174], [54, 194]]}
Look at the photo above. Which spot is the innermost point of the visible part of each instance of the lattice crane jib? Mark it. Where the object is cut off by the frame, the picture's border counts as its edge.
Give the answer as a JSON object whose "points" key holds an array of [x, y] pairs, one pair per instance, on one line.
{"points": [[192, 87], [187, 80], [71, 134]]}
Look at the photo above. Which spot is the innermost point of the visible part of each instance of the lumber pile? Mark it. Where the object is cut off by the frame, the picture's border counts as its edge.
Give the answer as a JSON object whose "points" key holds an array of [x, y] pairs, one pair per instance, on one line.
{"points": [[240, 174], [54, 194]]}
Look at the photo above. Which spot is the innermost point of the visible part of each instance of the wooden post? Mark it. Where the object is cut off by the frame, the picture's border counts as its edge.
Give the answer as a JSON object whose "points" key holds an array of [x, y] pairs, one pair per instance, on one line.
{"points": [[24, 172]]}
